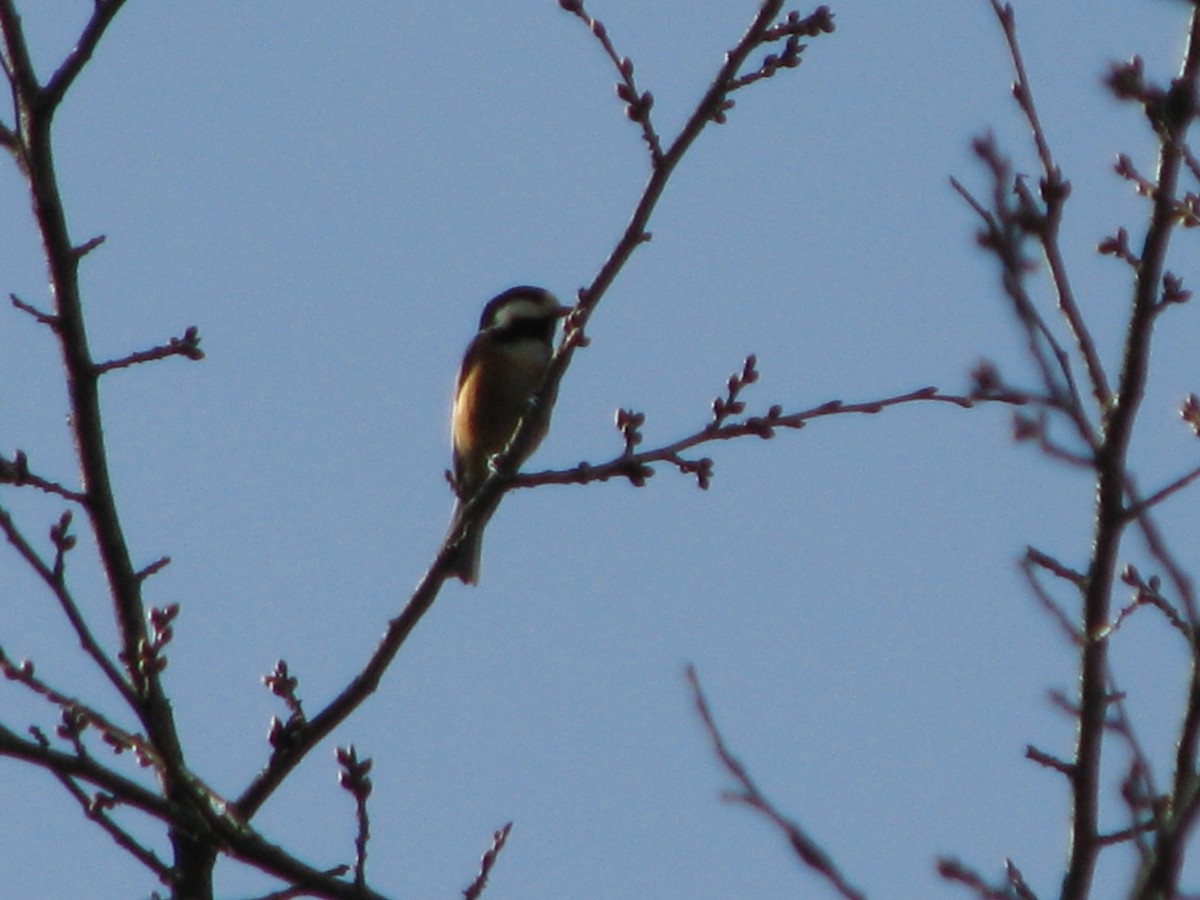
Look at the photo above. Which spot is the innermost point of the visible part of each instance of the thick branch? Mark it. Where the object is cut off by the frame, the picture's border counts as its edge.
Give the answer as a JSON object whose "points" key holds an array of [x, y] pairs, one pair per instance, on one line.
{"points": [[87, 769], [35, 108], [1112, 471]]}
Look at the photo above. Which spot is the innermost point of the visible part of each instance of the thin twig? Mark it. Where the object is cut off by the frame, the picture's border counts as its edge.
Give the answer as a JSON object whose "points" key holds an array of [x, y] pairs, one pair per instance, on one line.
{"points": [[1054, 192], [809, 852], [1032, 559], [67, 602], [1006, 226], [31, 310], [1136, 509], [16, 472], [355, 778], [475, 890], [119, 739], [95, 808], [1049, 760], [633, 466], [187, 346], [102, 15], [637, 103], [1015, 887]]}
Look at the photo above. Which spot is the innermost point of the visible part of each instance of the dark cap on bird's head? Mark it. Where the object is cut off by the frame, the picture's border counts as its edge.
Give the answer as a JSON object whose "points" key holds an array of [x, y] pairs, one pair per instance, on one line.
{"points": [[521, 302]]}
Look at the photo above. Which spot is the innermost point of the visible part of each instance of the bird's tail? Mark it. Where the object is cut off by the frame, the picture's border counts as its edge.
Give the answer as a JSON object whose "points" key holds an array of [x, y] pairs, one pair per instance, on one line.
{"points": [[464, 564]]}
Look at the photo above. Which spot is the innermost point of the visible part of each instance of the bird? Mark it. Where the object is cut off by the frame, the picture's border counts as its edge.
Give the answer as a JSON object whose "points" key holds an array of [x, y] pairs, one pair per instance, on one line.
{"points": [[501, 370]]}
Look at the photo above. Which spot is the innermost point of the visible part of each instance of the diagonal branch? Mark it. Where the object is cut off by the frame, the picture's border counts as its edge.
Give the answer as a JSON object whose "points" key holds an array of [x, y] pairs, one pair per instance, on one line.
{"points": [[96, 808], [1054, 192], [87, 769], [475, 890], [809, 852], [70, 609], [16, 472], [102, 16], [1111, 482], [305, 737], [34, 109]]}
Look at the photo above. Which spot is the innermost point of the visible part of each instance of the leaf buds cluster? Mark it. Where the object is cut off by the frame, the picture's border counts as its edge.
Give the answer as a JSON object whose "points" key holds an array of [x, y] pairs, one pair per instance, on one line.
{"points": [[629, 423], [280, 682], [188, 345], [354, 776], [1118, 246], [1127, 81], [730, 405], [985, 380], [1189, 411], [1126, 169], [63, 542], [16, 470], [637, 106], [1173, 289], [701, 468], [150, 658]]}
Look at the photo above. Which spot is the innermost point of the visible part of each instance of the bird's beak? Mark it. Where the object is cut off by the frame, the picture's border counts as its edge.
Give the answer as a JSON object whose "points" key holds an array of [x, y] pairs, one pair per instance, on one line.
{"points": [[563, 312]]}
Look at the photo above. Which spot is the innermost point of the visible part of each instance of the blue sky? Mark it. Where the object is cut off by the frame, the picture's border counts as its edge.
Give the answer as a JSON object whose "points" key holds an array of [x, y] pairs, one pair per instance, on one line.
{"points": [[331, 191]]}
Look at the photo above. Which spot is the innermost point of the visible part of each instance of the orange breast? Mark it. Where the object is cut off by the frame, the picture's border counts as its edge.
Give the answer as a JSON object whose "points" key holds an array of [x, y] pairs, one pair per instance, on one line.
{"points": [[487, 409]]}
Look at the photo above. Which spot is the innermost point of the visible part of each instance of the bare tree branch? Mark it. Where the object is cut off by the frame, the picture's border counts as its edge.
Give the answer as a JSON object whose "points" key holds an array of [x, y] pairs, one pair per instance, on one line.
{"points": [[808, 851], [69, 607], [96, 808], [1170, 112], [1054, 191], [301, 741], [187, 346], [1014, 887], [636, 467], [475, 890], [102, 15]]}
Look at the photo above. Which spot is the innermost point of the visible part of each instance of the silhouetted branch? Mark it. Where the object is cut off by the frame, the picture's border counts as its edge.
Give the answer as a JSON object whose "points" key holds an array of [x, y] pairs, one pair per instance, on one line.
{"points": [[1049, 761], [1014, 887], [96, 807], [808, 851], [16, 472], [88, 246], [1030, 563], [102, 15], [475, 890], [287, 754], [637, 103], [187, 346], [1008, 223], [1054, 190], [117, 738], [157, 566], [637, 467], [355, 779], [67, 602], [87, 769], [38, 316]]}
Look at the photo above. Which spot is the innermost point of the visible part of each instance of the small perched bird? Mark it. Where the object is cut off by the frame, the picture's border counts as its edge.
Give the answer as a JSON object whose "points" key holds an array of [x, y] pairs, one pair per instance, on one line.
{"points": [[501, 369]]}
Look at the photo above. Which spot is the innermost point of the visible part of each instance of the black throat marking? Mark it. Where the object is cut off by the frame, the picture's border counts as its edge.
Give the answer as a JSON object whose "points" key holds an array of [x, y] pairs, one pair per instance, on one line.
{"points": [[525, 329]]}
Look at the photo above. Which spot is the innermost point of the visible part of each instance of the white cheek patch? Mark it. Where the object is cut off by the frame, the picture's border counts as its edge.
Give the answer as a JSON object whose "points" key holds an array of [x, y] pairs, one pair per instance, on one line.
{"points": [[519, 309]]}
